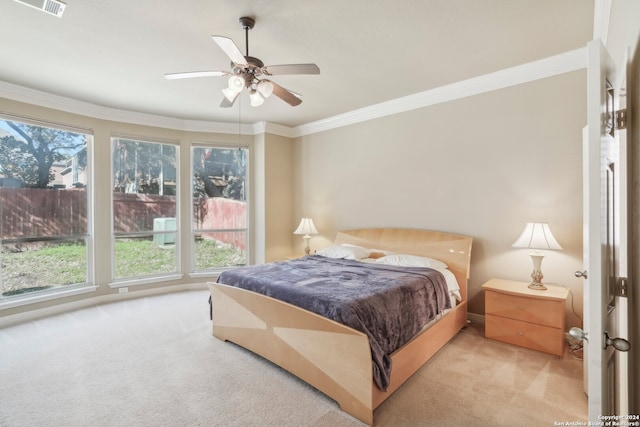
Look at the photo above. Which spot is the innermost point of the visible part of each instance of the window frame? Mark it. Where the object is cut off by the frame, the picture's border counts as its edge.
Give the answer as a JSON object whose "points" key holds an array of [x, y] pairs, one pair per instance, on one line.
{"points": [[125, 282], [90, 284], [212, 272]]}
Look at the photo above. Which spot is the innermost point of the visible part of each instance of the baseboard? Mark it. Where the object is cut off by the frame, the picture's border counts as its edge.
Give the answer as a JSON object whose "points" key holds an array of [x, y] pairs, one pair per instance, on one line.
{"points": [[53, 310], [476, 319]]}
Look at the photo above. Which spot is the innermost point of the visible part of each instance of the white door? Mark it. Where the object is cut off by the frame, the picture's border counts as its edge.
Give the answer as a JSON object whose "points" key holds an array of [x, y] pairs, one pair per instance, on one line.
{"points": [[603, 226]]}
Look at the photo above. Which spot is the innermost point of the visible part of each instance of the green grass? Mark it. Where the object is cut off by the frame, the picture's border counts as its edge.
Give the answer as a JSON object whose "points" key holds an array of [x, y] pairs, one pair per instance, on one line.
{"points": [[65, 264], [211, 253], [43, 268], [135, 258]]}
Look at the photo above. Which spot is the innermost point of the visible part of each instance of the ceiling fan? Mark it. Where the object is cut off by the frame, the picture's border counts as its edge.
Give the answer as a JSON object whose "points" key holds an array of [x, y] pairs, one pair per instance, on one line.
{"points": [[250, 72]]}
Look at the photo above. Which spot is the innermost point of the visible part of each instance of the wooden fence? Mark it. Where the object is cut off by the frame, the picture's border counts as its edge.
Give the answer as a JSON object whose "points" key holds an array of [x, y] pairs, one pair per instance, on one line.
{"points": [[29, 212], [34, 213]]}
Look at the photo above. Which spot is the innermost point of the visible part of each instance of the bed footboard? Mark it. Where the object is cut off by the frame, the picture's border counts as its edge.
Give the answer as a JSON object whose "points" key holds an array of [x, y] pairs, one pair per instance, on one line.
{"points": [[332, 357]]}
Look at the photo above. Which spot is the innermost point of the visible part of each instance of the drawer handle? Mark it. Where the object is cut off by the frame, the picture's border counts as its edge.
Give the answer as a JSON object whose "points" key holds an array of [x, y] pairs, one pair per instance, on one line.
{"points": [[520, 333]]}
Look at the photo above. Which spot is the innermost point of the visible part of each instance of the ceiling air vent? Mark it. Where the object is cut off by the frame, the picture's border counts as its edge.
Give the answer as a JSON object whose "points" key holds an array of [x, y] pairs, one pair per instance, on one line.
{"points": [[52, 7]]}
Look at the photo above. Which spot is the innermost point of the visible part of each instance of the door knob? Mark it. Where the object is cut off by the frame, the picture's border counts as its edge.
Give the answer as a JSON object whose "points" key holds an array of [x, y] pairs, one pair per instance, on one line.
{"points": [[619, 344], [581, 274], [578, 334]]}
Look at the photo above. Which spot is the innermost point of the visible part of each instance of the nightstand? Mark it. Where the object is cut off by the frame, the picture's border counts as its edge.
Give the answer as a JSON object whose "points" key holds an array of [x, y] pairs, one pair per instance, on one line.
{"points": [[525, 317]]}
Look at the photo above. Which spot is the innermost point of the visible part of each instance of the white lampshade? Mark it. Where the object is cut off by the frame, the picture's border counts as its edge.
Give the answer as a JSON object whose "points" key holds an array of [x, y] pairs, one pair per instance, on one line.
{"points": [[306, 227], [256, 99], [236, 83], [257, 93], [265, 87], [536, 235], [230, 94]]}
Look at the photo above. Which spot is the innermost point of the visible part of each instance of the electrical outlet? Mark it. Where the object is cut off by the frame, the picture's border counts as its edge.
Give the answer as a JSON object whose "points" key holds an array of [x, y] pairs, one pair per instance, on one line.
{"points": [[123, 290]]}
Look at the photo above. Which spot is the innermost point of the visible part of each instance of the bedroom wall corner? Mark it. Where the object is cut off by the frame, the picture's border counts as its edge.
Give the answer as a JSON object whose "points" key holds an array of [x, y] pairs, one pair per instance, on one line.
{"points": [[279, 221], [257, 190]]}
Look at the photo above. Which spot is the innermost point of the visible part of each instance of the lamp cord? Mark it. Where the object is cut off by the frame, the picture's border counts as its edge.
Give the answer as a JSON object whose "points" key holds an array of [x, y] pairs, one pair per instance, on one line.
{"points": [[575, 347], [572, 307]]}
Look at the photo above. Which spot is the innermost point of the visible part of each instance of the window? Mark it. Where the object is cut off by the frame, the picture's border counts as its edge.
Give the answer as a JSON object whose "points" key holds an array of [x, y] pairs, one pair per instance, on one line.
{"points": [[219, 217], [44, 209], [144, 208]]}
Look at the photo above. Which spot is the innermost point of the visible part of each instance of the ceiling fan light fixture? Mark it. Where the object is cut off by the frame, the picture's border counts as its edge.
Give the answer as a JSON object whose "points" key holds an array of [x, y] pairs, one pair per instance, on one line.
{"points": [[236, 83], [230, 94], [256, 99], [265, 87]]}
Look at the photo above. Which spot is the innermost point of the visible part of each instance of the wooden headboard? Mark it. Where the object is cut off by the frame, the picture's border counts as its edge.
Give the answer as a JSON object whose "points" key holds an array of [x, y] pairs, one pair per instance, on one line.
{"points": [[452, 249]]}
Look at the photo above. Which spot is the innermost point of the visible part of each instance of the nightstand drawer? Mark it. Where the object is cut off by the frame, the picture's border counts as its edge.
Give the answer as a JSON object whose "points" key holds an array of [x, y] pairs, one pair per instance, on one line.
{"points": [[540, 311], [525, 334]]}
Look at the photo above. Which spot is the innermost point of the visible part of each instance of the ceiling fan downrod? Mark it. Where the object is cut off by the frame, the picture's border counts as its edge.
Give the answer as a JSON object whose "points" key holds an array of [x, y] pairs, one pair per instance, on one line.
{"points": [[247, 24]]}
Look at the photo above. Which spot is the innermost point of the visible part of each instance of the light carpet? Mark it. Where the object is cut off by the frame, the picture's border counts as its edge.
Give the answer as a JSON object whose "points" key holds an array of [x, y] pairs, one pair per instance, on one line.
{"points": [[152, 361]]}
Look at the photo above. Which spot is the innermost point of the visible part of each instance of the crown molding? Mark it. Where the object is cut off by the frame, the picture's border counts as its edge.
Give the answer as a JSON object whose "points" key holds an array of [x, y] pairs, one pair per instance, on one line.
{"points": [[601, 15], [273, 128], [543, 68], [74, 106]]}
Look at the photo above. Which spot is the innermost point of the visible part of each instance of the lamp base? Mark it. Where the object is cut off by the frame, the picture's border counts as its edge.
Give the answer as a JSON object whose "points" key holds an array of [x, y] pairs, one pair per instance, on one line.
{"points": [[536, 275], [537, 286], [307, 249]]}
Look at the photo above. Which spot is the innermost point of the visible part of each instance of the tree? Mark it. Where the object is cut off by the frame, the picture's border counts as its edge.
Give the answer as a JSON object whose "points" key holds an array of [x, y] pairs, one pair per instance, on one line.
{"points": [[15, 160], [219, 172], [31, 156], [144, 167]]}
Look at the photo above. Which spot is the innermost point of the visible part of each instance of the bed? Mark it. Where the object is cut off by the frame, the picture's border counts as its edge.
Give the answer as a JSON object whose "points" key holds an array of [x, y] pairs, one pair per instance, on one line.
{"points": [[335, 358]]}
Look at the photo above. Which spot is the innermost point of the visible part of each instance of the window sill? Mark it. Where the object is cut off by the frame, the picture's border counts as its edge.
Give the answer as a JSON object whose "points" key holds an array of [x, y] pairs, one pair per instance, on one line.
{"points": [[145, 281], [17, 301], [205, 274]]}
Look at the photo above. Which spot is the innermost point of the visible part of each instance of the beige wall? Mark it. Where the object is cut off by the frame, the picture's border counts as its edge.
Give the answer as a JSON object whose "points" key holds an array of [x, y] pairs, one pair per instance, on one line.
{"points": [[624, 29], [481, 166], [278, 182]]}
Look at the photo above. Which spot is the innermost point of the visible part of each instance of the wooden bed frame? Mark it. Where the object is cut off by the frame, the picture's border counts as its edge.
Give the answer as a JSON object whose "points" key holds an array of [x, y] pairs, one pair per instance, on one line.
{"points": [[330, 356]]}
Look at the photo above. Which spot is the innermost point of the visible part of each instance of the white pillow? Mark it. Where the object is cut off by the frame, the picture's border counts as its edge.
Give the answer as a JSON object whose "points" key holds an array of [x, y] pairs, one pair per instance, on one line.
{"points": [[344, 251], [452, 283], [402, 260]]}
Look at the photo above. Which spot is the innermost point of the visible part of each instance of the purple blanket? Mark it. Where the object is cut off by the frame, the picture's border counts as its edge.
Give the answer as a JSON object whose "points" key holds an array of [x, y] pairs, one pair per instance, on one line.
{"points": [[389, 304]]}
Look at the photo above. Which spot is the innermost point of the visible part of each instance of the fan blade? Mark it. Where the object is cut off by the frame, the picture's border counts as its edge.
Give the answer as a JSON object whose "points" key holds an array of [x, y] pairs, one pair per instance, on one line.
{"points": [[188, 75], [272, 70], [230, 48], [285, 95], [226, 103]]}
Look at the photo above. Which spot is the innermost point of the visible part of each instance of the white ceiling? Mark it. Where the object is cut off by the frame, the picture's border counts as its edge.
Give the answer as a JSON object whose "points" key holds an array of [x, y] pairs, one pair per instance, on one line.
{"points": [[114, 53]]}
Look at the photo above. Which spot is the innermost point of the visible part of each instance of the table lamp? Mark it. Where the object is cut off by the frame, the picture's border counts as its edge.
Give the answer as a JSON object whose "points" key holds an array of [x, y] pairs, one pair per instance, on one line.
{"points": [[537, 236], [307, 228]]}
